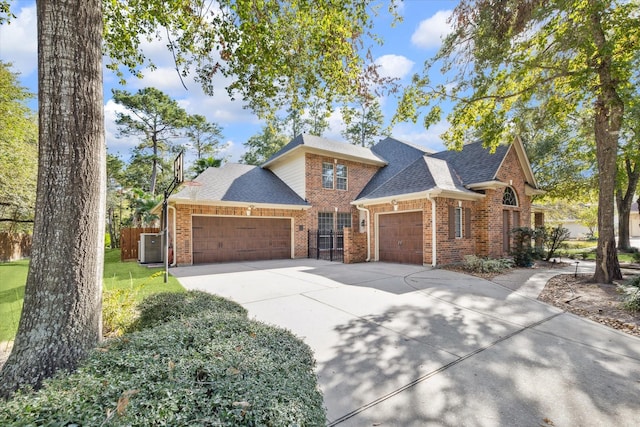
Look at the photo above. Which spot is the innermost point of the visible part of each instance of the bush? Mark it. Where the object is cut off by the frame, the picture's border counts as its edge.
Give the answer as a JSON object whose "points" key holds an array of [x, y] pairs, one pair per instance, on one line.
{"points": [[523, 253], [118, 311], [631, 294], [217, 369], [166, 306], [483, 265]]}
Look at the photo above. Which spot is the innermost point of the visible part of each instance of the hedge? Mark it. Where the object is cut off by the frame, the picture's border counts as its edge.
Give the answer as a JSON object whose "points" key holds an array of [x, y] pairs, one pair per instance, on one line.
{"points": [[209, 369]]}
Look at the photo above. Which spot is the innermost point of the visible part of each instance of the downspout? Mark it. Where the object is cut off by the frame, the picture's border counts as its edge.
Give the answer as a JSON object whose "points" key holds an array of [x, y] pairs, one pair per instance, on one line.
{"points": [[173, 238], [368, 232], [434, 228]]}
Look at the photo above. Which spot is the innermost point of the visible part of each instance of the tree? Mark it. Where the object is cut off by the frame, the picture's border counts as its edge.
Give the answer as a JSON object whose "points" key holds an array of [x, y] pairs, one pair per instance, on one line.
{"points": [[506, 51], [272, 52], [205, 163], [18, 154], [204, 137], [61, 315], [262, 146], [155, 118], [114, 198], [364, 124]]}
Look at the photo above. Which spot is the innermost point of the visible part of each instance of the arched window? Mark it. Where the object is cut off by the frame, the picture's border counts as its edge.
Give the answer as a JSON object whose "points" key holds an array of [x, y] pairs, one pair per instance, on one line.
{"points": [[509, 197]]}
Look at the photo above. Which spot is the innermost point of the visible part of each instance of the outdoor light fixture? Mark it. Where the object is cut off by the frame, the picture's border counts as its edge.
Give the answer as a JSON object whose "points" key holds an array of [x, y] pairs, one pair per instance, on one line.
{"points": [[394, 202], [363, 223], [249, 210]]}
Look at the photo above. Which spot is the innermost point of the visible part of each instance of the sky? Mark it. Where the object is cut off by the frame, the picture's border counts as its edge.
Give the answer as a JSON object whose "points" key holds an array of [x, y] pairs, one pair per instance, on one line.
{"points": [[406, 46]]}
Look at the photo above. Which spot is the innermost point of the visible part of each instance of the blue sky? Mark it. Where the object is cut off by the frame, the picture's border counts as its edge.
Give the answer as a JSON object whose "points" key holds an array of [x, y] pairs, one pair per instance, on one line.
{"points": [[406, 46]]}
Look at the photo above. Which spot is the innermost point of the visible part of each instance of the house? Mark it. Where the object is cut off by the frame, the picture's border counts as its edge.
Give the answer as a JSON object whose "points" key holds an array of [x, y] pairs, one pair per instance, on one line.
{"points": [[395, 202]]}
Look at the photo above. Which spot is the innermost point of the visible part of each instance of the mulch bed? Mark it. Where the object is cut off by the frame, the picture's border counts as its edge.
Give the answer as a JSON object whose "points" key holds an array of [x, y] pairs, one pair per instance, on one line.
{"points": [[596, 301]]}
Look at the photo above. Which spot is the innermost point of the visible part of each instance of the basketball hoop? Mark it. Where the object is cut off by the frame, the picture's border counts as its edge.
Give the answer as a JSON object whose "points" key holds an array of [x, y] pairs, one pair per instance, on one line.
{"points": [[192, 188]]}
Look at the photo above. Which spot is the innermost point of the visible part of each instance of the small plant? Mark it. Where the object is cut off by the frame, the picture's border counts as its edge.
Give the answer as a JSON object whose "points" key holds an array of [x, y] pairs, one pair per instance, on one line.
{"points": [[523, 253], [631, 294], [118, 311], [483, 265], [553, 239], [636, 256]]}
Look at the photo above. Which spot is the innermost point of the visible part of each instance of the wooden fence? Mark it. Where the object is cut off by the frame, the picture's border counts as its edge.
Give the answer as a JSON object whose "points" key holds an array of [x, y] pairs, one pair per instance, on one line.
{"points": [[14, 246], [129, 241]]}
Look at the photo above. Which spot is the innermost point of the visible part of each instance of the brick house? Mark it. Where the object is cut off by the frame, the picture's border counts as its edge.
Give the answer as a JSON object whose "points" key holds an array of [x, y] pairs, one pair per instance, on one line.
{"points": [[395, 202]]}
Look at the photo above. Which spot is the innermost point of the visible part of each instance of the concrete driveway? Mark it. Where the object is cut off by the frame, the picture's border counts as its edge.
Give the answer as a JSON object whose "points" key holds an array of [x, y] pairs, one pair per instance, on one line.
{"points": [[400, 345]]}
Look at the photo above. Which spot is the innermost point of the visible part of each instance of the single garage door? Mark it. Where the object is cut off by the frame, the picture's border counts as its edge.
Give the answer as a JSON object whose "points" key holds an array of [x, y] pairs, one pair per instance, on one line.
{"points": [[226, 239], [400, 237]]}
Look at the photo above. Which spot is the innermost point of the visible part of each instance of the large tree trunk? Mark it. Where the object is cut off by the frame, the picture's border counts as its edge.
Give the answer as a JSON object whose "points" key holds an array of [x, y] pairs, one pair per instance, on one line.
{"points": [[609, 111], [624, 202], [61, 316]]}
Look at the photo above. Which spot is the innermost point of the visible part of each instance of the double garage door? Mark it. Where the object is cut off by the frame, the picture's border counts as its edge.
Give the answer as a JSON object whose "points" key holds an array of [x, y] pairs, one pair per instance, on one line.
{"points": [[227, 239], [400, 238]]}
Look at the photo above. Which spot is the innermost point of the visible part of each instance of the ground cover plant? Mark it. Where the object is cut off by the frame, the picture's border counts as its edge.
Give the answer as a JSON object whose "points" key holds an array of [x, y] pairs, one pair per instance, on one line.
{"points": [[211, 367]]}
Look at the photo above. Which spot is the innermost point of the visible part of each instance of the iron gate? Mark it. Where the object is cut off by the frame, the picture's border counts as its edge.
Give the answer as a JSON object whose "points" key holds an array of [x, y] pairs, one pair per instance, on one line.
{"points": [[327, 245]]}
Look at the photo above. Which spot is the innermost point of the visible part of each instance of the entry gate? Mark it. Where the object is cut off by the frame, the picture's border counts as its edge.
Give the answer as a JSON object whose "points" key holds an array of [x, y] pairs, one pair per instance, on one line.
{"points": [[327, 245]]}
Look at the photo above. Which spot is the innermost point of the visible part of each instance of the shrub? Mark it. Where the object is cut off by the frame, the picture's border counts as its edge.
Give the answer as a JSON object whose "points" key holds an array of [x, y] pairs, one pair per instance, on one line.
{"points": [[523, 253], [166, 306], [631, 294], [553, 239], [118, 311], [483, 265], [218, 369]]}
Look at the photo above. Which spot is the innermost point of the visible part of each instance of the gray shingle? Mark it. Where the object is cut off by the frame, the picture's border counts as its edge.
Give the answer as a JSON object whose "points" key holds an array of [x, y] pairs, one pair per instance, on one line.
{"points": [[474, 163], [236, 182]]}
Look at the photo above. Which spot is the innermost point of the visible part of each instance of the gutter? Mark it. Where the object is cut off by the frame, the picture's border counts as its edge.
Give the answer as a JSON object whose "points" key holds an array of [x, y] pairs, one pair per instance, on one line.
{"points": [[363, 209], [434, 240]]}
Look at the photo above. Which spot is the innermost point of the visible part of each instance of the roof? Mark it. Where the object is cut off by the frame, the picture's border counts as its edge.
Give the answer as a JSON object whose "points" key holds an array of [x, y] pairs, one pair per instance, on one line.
{"points": [[326, 146], [424, 174], [474, 163], [236, 182]]}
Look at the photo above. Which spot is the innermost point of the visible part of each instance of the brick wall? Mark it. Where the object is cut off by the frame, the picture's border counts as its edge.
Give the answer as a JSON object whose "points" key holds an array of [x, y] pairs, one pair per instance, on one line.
{"points": [[355, 246], [327, 200], [183, 226]]}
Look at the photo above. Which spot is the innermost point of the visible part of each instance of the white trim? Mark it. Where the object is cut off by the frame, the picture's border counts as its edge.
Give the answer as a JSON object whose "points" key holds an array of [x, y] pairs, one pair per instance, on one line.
{"points": [[487, 185], [291, 228], [327, 153], [236, 204]]}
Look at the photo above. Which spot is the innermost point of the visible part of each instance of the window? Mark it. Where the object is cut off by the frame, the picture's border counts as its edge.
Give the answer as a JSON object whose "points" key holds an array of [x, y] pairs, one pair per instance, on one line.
{"points": [[509, 197], [344, 220], [341, 177], [327, 175], [325, 221], [458, 222]]}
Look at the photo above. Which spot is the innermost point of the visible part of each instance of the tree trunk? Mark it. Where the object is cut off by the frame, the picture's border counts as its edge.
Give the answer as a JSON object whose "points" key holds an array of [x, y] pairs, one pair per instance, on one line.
{"points": [[61, 316], [624, 202], [609, 111], [154, 168]]}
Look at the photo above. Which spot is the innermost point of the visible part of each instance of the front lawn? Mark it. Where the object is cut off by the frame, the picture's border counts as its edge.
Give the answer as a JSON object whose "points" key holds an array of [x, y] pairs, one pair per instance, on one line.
{"points": [[133, 280]]}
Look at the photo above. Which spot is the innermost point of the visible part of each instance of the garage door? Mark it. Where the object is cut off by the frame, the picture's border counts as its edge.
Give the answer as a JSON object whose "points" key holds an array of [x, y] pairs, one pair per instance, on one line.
{"points": [[226, 239], [400, 237]]}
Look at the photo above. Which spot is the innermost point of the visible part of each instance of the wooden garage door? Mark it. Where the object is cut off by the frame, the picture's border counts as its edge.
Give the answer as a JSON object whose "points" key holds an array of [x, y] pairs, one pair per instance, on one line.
{"points": [[400, 237], [225, 239]]}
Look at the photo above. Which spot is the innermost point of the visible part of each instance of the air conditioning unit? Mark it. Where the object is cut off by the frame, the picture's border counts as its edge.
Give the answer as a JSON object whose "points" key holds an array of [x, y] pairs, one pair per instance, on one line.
{"points": [[151, 248]]}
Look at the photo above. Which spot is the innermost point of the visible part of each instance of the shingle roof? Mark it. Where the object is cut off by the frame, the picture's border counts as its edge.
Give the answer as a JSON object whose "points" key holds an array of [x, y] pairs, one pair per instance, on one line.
{"points": [[398, 155], [474, 163], [423, 174], [236, 182], [324, 144]]}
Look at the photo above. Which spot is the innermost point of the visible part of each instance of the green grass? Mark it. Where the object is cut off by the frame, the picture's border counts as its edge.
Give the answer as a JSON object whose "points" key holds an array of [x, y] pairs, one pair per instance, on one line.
{"points": [[14, 276], [130, 276]]}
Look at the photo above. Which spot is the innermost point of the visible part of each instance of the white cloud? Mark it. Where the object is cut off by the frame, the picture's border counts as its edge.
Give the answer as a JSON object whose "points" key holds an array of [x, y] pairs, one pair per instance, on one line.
{"points": [[416, 134], [431, 31], [19, 41], [394, 66]]}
